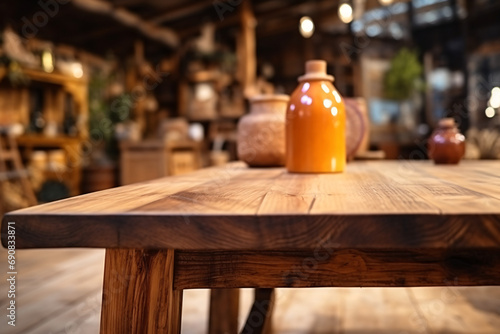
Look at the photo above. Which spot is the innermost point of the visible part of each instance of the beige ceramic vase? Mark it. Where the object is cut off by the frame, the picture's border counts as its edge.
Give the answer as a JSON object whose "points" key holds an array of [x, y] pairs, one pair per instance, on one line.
{"points": [[261, 133]]}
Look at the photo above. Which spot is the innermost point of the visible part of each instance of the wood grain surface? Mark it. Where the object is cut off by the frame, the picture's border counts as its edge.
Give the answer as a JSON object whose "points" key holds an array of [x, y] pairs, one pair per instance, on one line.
{"points": [[373, 205], [336, 268], [138, 295]]}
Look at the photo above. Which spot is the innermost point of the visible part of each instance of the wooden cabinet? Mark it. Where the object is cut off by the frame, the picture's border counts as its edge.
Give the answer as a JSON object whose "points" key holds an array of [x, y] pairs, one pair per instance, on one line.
{"points": [[147, 160], [71, 175]]}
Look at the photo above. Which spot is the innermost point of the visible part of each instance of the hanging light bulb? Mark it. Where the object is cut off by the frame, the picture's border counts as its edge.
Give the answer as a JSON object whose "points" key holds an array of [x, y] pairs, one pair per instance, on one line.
{"points": [[306, 27], [345, 12], [494, 101], [490, 112], [77, 70], [47, 61], [385, 2]]}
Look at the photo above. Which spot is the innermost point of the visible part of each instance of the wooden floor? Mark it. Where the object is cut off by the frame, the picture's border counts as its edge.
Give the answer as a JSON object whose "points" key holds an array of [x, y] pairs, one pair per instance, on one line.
{"points": [[59, 291]]}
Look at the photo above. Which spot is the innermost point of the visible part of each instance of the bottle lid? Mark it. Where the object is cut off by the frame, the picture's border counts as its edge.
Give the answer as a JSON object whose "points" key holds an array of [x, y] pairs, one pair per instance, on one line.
{"points": [[316, 70], [447, 123]]}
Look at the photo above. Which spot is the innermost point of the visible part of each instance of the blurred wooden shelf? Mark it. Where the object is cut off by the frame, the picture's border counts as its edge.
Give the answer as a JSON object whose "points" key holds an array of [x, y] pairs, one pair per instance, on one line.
{"points": [[56, 96], [53, 77], [72, 147], [40, 140]]}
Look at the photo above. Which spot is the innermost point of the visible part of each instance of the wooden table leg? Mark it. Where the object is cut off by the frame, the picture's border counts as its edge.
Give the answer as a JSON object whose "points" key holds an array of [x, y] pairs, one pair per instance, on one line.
{"points": [[138, 295], [260, 317], [224, 307]]}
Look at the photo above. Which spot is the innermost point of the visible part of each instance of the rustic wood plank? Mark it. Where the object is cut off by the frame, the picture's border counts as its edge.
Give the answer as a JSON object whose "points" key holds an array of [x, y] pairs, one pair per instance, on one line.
{"points": [[450, 191], [481, 178], [241, 193], [224, 308], [359, 179], [362, 189], [371, 205], [138, 295], [126, 198], [290, 194], [260, 232], [61, 231], [330, 268]]}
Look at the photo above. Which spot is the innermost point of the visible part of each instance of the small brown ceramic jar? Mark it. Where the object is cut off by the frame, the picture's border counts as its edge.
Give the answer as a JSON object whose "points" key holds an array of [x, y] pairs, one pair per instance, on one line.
{"points": [[446, 144], [261, 133]]}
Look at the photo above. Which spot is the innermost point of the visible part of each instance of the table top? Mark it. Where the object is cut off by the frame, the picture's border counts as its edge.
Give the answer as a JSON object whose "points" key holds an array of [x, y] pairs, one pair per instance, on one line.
{"points": [[372, 205]]}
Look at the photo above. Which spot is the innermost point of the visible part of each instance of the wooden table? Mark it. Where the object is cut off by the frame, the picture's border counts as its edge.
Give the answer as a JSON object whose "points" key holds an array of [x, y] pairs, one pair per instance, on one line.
{"points": [[379, 224]]}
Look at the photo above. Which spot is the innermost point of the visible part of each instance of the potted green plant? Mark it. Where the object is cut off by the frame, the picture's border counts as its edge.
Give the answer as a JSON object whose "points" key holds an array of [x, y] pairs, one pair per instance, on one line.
{"points": [[104, 114], [402, 83]]}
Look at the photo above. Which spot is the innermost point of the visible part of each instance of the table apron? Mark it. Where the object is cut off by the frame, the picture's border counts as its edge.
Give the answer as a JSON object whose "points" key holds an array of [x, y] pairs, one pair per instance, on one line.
{"points": [[336, 268]]}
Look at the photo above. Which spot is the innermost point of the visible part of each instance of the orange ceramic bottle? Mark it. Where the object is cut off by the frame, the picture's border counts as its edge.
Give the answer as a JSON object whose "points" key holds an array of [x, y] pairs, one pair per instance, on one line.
{"points": [[315, 124]]}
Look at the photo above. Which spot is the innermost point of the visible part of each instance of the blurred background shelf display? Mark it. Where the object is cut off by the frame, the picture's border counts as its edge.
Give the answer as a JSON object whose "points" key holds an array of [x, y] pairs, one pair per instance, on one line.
{"points": [[100, 93], [51, 108]]}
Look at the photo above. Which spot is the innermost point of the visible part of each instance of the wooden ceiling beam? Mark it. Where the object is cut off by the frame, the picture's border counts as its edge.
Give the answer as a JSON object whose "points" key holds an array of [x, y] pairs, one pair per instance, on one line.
{"points": [[181, 11], [229, 21], [100, 33], [161, 34], [232, 19], [125, 3], [271, 24]]}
